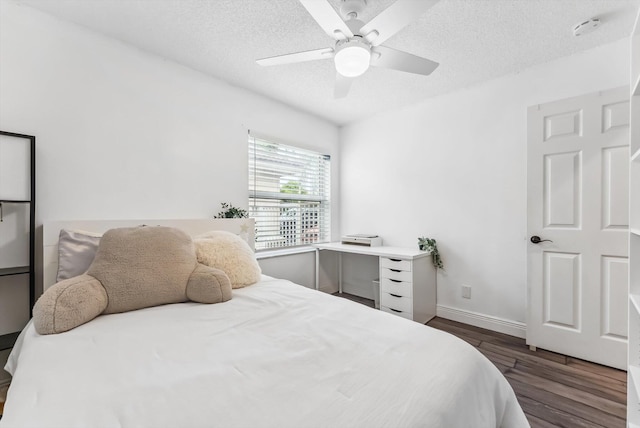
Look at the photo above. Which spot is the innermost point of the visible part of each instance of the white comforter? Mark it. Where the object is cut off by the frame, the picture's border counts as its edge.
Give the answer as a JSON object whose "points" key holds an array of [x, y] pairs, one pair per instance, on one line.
{"points": [[276, 355]]}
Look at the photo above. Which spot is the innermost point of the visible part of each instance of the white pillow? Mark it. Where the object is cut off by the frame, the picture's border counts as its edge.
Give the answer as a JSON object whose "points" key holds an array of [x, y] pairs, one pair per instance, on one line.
{"points": [[76, 251], [229, 253]]}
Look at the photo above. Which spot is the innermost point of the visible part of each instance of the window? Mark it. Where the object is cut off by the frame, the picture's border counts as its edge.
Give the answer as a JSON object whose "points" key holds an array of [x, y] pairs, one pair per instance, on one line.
{"points": [[288, 194]]}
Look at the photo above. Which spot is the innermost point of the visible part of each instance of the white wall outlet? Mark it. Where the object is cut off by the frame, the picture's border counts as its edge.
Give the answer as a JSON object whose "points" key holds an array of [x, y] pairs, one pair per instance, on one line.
{"points": [[466, 291]]}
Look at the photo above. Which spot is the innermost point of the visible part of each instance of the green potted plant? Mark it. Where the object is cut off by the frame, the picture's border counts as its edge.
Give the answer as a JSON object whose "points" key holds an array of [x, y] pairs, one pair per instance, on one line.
{"points": [[431, 246], [229, 211]]}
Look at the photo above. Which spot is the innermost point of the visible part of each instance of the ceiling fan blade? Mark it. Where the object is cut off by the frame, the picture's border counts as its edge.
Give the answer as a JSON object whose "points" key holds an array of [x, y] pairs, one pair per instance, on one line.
{"points": [[342, 86], [393, 19], [398, 60], [326, 16], [315, 54]]}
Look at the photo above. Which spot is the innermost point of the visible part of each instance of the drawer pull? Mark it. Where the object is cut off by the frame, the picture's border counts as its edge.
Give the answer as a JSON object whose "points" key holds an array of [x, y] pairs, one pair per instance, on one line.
{"points": [[395, 260], [395, 310], [395, 270], [394, 280], [394, 295]]}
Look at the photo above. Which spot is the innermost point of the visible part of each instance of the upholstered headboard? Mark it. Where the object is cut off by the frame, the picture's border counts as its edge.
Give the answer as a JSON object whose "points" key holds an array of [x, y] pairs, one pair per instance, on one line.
{"points": [[244, 227]]}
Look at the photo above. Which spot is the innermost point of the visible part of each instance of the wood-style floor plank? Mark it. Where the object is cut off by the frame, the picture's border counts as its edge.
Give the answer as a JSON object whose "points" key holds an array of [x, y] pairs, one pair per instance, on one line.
{"points": [[597, 388], [554, 390], [572, 393], [552, 415], [536, 422], [597, 368], [565, 404], [580, 374], [523, 352], [498, 358]]}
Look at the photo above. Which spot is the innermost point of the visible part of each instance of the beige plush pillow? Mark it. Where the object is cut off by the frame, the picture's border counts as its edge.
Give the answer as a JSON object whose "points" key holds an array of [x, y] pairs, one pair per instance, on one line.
{"points": [[134, 268], [69, 304], [231, 254], [158, 260]]}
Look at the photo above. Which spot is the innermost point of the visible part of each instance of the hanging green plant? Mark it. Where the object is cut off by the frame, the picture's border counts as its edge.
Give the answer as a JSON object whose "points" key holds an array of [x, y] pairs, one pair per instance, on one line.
{"points": [[229, 211], [430, 246]]}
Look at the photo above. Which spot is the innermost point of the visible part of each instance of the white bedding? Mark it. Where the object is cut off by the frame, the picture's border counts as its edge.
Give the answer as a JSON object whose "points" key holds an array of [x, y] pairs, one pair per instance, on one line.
{"points": [[276, 355]]}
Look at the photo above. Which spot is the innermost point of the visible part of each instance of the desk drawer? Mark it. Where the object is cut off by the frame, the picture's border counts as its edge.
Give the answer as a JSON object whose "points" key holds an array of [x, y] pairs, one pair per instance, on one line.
{"points": [[397, 264], [398, 275], [406, 315], [399, 303], [400, 288]]}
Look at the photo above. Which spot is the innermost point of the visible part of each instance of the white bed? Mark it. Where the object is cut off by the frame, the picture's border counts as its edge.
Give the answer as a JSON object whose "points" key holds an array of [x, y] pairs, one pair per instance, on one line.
{"points": [[276, 355]]}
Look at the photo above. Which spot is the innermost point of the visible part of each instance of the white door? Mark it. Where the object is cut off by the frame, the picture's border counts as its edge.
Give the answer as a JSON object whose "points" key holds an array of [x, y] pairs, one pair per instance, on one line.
{"points": [[577, 199]]}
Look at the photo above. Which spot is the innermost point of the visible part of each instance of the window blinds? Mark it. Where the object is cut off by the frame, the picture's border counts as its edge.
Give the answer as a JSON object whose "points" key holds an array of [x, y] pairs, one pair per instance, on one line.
{"points": [[289, 194]]}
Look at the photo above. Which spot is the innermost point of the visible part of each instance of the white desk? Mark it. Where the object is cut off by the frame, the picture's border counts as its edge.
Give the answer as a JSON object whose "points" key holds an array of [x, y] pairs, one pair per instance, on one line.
{"points": [[407, 278]]}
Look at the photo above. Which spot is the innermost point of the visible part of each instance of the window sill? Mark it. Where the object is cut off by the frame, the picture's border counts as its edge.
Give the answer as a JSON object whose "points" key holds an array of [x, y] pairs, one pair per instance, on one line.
{"points": [[267, 254]]}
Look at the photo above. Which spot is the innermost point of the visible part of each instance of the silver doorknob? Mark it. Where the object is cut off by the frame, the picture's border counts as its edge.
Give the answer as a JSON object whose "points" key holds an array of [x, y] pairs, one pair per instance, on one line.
{"points": [[536, 239]]}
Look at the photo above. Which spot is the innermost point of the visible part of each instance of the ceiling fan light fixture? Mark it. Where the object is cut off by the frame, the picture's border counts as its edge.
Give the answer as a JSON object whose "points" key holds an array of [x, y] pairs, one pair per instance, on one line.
{"points": [[352, 58]]}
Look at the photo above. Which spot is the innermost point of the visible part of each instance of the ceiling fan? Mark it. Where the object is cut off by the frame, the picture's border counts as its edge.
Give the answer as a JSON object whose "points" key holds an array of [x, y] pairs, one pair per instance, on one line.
{"points": [[359, 45]]}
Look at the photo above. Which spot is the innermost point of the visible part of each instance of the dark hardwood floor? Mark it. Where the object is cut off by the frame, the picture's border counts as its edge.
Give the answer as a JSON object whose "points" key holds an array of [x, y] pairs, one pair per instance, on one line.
{"points": [[554, 390]]}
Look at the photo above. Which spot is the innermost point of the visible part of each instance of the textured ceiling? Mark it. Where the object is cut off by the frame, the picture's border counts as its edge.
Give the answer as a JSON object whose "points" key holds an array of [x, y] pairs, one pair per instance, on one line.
{"points": [[473, 40]]}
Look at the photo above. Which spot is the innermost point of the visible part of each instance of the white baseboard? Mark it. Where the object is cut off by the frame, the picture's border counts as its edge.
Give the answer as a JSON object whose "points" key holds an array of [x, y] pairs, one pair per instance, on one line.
{"points": [[513, 328]]}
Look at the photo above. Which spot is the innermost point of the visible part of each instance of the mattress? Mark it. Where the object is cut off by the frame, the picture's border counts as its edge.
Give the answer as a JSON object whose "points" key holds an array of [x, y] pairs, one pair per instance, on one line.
{"points": [[276, 355]]}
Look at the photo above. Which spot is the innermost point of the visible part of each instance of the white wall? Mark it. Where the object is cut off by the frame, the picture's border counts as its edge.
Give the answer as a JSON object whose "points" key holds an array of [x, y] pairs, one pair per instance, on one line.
{"points": [[454, 168], [122, 133]]}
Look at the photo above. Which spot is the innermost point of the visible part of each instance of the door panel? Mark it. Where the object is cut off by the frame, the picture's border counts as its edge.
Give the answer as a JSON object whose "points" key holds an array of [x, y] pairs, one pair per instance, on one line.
{"points": [[615, 274], [564, 124], [562, 290], [615, 115], [615, 188], [577, 199], [562, 189]]}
